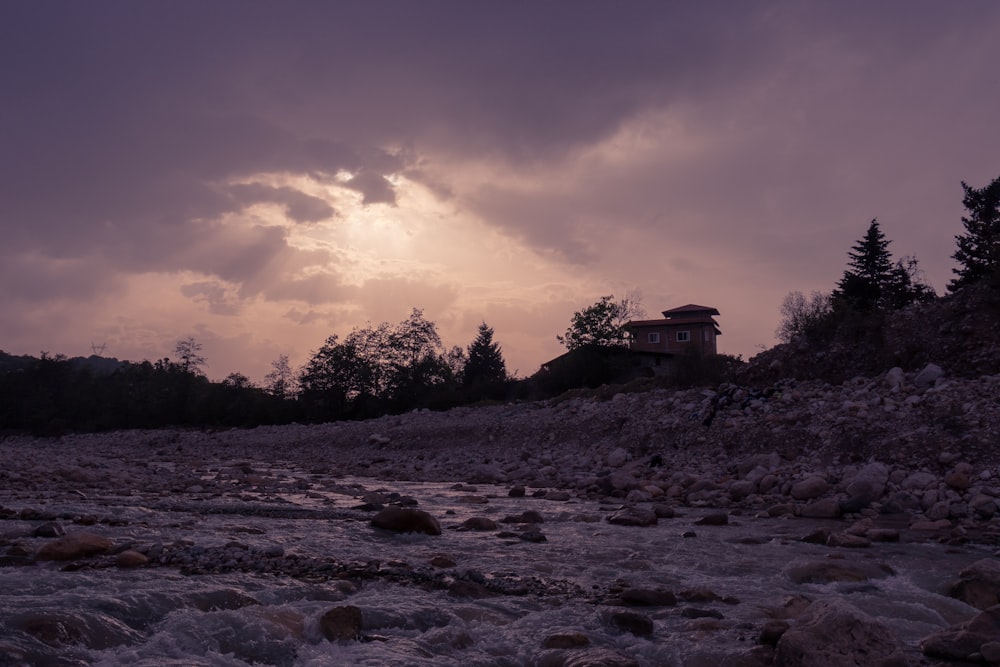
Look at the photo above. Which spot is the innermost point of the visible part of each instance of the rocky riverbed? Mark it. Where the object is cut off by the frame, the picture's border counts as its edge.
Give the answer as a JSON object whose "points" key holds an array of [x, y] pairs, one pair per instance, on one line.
{"points": [[861, 483]]}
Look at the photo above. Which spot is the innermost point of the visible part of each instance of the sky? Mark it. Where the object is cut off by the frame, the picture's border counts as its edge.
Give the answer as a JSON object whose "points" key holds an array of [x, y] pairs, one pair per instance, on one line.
{"points": [[262, 175]]}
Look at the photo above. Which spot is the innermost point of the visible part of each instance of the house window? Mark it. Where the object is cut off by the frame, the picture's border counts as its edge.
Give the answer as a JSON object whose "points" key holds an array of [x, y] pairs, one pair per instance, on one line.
{"points": [[654, 337], [683, 336], [708, 335]]}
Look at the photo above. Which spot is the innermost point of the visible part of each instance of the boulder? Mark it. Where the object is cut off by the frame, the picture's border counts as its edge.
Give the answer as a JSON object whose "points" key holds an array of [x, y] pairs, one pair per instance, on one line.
{"points": [[406, 520], [966, 641], [341, 623], [638, 624], [928, 376], [478, 523], [834, 633], [979, 585], [633, 516], [826, 508], [865, 487], [648, 597], [74, 545], [823, 571], [809, 488], [617, 458]]}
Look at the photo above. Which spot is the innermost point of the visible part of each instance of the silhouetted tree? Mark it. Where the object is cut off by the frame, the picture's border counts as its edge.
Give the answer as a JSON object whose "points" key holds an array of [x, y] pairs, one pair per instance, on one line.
{"points": [[602, 323], [979, 247], [188, 350], [873, 281], [485, 364], [280, 382], [803, 317]]}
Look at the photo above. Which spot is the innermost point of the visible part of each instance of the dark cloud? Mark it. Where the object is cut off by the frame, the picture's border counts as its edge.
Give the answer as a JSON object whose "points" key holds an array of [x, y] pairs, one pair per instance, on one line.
{"points": [[757, 135], [375, 189]]}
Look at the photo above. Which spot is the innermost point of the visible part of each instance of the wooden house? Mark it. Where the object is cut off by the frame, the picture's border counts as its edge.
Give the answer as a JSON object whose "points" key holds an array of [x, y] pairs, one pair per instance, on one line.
{"points": [[686, 329]]}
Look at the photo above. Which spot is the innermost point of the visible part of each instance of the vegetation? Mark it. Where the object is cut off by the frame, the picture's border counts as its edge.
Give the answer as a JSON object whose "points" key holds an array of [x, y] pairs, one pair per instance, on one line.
{"points": [[978, 250], [862, 324], [603, 323]]}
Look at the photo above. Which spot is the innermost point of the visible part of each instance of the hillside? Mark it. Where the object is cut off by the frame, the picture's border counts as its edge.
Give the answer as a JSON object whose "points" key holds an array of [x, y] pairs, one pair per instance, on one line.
{"points": [[957, 332]]}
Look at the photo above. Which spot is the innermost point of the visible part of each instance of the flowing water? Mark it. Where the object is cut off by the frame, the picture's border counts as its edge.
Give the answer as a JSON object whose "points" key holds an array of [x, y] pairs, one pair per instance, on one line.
{"points": [[243, 581]]}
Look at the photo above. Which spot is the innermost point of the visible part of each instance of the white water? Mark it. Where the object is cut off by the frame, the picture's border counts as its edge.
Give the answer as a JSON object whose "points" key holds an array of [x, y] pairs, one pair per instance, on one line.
{"points": [[160, 615]]}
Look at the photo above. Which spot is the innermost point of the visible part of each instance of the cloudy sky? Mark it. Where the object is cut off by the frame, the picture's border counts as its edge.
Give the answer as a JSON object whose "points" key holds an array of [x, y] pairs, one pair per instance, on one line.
{"points": [[260, 175]]}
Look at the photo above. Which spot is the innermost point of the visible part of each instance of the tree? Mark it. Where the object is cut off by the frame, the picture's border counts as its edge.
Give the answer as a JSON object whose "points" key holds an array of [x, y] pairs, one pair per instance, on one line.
{"points": [[485, 364], [874, 282], [868, 271], [803, 317], [188, 350], [280, 382], [603, 323], [979, 247], [395, 366]]}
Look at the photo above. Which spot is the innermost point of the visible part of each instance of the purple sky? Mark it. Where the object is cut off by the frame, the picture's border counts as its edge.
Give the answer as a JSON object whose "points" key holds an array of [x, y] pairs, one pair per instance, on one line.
{"points": [[260, 175]]}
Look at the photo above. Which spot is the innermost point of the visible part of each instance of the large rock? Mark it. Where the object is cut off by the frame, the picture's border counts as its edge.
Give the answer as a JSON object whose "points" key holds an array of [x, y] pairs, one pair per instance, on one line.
{"points": [[341, 623], [827, 570], [866, 487], [809, 488], [834, 633], [928, 376], [406, 520], [634, 516], [965, 641], [73, 546], [979, 585]]}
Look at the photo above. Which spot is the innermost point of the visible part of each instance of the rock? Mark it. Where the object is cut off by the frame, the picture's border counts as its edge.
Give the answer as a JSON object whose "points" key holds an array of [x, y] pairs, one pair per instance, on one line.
{"points": [[928, 376], [478, 523], [442, 561], [848, 541], [647, 597], [809, 488], [919, 481], [958, 479], [741, 489], [639, 625], [979, 585], [834, 633], [771, 632], [74, 545], [529, 516], [406, 520], [633, 516], [713, 519], [895, 378], [557, 495], [617, 458], [865, 487], [341, 623], [131, 558], [823, 571], [827, 508], [566, 640], [967, 640], [516, 491], [49, 529]]}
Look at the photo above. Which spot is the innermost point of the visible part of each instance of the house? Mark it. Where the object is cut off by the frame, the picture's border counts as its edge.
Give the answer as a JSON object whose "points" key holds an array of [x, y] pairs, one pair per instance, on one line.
{"points": [[685, 329]]}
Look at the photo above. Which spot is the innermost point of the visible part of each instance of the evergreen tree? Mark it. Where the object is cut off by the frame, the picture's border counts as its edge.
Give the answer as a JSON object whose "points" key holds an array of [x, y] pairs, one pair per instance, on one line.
{"points": [[484, 364], [979, 248], [873, 281], [868, 271]]}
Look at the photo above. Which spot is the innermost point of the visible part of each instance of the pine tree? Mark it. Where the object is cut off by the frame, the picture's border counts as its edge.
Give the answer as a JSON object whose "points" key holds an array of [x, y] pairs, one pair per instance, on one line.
{"points": [[485, 364], [869, 271], [979, 248]]}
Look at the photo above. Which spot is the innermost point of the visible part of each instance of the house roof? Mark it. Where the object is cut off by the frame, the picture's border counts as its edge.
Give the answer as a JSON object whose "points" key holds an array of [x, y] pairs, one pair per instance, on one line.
{"points": [[690, 309], [637, 324]]}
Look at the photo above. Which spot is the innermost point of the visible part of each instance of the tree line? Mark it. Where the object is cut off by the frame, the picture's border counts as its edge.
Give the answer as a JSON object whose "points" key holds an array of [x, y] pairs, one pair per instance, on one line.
{"points": [[386, 368], [374, 370], [874, 284]]}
